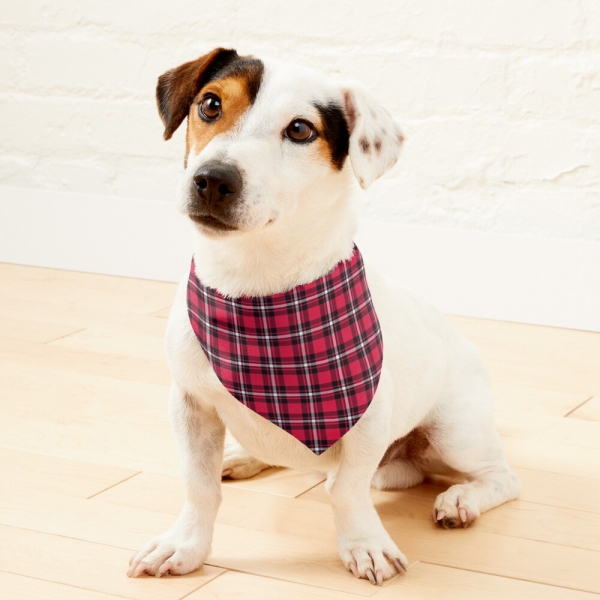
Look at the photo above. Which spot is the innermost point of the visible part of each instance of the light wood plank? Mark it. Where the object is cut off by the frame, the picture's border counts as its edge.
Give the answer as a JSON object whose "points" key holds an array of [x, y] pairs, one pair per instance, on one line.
{"points": [[49, 473], [78, 397], [426, 581], [551, 456], [250, 587], [90, 566], [122, 443], [95, 418], [555, 489], [30, 330], [550, 358], [83, 361], [110, 340], [590, 411], [18, 587], [72, 288], [77, 316], [564, 526], [524, 411], [573, 432]]}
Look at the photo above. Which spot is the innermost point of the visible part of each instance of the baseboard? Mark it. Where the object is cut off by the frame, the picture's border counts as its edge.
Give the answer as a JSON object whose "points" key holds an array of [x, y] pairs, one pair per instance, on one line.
{"points": [[531, 280]]}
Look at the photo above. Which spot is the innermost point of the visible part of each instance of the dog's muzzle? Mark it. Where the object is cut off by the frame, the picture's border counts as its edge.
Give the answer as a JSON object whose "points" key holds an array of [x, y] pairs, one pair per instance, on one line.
{"points": [[216, 187]]}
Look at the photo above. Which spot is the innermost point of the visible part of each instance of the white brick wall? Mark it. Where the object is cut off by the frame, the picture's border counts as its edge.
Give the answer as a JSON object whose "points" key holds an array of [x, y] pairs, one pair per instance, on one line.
{"points": [[500, 99]]}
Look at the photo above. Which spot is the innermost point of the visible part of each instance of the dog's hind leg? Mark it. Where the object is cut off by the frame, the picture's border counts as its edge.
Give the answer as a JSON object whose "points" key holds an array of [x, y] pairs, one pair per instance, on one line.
{"points": [[400, 466], [238, 464], [468, 442], [398, 474]]}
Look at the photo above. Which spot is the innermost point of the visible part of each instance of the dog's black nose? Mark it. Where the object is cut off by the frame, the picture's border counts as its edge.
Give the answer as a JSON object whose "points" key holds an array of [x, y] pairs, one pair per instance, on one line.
{"points": [[216, 182]]}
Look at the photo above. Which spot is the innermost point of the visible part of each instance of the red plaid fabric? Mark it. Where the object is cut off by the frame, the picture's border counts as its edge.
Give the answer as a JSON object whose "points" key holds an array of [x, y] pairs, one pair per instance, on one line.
{"points": [[308, 360]]}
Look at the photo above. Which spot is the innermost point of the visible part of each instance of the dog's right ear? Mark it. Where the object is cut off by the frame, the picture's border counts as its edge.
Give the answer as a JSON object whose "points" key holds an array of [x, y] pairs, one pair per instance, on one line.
{"points": [[177, 88]]}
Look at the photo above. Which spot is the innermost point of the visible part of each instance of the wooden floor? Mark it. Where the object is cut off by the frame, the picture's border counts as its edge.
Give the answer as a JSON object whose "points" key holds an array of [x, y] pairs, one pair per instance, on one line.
{"points": [[89, 470]]}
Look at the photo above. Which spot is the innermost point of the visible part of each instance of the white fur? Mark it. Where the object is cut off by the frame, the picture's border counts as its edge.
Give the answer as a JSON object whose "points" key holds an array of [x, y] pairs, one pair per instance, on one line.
{"points": [[295, 224]]}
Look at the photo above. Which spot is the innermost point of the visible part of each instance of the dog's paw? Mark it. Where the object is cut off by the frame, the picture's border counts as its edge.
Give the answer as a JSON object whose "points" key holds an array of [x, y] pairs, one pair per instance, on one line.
{"points": [[238, 464], [372, 559], [456, 507], [170, 554]]}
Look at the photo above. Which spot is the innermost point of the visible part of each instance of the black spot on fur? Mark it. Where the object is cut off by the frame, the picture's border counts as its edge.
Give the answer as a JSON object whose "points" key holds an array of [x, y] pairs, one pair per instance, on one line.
{"points": [[365, 145], [377, 146], [335, 132]]}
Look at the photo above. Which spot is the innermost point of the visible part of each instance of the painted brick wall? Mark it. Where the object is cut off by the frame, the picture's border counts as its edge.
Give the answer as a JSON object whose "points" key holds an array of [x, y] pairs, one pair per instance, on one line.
{"points": [[499, 99]]}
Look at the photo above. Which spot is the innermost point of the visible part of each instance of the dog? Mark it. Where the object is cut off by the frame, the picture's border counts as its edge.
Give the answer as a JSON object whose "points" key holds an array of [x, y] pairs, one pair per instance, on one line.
{"points": [[271, 149]]}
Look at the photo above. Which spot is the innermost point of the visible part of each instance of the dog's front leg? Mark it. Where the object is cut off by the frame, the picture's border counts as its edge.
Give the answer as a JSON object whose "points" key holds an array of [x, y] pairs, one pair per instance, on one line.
{"points": [[365, 546], [184, 547]]}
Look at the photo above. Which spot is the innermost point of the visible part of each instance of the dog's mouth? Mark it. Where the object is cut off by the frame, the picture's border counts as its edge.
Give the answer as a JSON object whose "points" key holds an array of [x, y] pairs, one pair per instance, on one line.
{"points": [[211, 222]]}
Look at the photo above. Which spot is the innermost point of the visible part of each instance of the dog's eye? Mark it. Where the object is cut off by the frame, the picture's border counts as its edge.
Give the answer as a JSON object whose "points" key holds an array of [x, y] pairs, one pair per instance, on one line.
{"points": [[210, 108], [299, 130]]}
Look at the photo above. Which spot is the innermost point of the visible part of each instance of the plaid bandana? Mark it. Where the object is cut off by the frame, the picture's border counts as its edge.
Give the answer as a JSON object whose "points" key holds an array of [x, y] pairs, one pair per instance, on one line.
{"points": [[308, 360]]}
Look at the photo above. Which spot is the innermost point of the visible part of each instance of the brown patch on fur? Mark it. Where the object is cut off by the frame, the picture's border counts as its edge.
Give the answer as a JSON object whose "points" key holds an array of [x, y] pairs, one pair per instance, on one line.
{"points": [[177, 88], [411, 447], [365, 145], [350, 110], [377, 145], [235, 101]]}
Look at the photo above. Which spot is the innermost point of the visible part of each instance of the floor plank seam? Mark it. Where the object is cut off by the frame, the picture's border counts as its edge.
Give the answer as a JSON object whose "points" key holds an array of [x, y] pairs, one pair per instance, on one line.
{"points": [[70, 537], [307, 584], [488, 573], [312, 487], [578, 406], [113, 485], [62, 337], [76, 587], [205, 584], [537, 470], [560, 506]]}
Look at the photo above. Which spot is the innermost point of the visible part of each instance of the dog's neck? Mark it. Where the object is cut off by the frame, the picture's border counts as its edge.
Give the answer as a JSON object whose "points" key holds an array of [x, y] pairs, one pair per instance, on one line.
{"points": [[279, 257]]}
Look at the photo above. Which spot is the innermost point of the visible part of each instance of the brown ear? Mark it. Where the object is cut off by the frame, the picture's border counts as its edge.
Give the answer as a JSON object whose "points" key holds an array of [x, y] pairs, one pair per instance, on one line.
{"points": [[177, 88]]}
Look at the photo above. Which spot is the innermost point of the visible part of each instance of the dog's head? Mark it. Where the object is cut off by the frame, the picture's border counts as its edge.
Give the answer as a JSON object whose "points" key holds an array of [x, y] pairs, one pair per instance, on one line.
{"points": [[264, 137]]}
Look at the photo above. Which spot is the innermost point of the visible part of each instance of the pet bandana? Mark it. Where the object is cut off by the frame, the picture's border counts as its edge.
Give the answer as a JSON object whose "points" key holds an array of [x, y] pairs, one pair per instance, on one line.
{"points": [[308, 360]]}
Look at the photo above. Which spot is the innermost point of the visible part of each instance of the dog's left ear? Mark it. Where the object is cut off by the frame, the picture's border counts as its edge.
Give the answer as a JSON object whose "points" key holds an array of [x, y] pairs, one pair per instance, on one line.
{"points": [[177, 88], [375, 138]]}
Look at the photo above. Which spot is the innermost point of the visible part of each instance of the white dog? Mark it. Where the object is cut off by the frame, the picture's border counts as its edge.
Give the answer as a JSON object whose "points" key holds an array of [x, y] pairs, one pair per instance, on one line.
{"points": [[266, 187]]}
